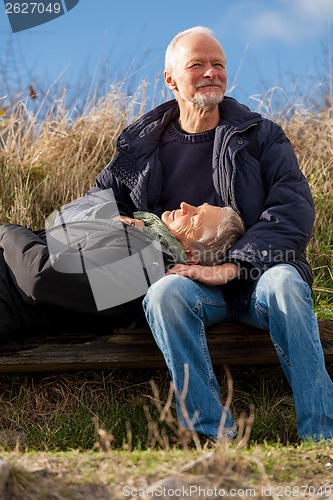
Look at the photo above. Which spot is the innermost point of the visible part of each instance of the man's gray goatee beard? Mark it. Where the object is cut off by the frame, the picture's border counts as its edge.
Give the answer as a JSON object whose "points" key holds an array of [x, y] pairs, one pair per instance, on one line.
{"points": [[207, 102]]}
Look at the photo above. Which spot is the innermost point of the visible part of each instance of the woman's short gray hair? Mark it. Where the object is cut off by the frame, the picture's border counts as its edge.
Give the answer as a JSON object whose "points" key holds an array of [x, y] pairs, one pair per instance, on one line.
{"points": [[169, 64], [212, 248]]}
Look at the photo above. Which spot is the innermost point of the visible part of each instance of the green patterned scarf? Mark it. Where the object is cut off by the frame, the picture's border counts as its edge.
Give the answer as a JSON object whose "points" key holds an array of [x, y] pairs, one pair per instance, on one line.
{"points": [[155, 228]]}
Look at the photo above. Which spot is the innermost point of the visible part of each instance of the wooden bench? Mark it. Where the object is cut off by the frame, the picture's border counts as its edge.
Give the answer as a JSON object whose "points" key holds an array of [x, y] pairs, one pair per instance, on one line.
{"points": [[232, 344]]}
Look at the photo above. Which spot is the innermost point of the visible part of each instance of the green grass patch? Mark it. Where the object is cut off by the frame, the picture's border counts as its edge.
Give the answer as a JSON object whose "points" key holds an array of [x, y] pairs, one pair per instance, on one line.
{"points": [[225, 471]]}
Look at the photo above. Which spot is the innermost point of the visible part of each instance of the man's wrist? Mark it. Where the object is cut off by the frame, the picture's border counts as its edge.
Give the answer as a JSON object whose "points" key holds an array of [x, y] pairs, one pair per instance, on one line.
{"points": [[231, 271]]}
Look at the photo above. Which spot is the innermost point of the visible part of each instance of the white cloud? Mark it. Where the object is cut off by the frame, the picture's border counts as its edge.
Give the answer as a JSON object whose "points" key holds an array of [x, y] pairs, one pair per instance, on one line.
{"points": [[318, 9], [279, 20], [272, 25]]}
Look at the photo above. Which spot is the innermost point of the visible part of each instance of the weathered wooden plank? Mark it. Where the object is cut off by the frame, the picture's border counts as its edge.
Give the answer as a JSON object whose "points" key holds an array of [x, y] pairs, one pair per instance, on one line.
{"points": [[232, 344]]}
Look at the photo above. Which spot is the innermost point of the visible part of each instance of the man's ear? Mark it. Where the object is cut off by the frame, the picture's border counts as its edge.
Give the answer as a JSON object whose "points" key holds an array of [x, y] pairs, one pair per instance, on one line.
{"points": [[192, 258], [170, 81]]}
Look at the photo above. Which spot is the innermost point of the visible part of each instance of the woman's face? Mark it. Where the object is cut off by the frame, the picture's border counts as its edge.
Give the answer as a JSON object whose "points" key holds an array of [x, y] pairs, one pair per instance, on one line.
{"points": [[188, 223]]}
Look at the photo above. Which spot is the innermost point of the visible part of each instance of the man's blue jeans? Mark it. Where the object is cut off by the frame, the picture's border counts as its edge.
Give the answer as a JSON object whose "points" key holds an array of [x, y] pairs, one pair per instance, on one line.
{"points": [[178, 309]]}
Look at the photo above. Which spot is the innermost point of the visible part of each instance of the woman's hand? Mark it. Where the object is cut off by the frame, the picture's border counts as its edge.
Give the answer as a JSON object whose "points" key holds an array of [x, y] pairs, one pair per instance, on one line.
{"points": [[209, 275]]}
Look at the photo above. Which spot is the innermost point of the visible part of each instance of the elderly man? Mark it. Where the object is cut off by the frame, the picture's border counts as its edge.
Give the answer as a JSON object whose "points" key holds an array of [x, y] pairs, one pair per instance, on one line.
{"points": [[207, 148]]}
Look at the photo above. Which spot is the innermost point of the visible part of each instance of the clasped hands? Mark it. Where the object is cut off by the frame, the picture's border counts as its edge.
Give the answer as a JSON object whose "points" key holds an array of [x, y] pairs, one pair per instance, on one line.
{"points": [[208, 275]]}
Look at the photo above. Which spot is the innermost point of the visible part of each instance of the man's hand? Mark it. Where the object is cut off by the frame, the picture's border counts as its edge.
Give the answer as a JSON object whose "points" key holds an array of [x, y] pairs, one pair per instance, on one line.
{"points": [[209, 275]]}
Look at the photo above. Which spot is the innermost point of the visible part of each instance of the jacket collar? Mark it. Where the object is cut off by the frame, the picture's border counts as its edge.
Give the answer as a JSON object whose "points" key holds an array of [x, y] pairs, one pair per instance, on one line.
{"points": [[139, 139]]}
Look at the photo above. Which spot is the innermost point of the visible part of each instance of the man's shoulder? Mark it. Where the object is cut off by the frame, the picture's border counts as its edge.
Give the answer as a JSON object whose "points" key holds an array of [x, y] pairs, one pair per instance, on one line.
{"points": [[150, 124], [167, 111], [237, 113], [243, 118]]}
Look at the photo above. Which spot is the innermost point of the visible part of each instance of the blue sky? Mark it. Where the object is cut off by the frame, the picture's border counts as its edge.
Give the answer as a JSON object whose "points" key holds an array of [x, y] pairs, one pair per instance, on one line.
{"points": [[268, 43]]}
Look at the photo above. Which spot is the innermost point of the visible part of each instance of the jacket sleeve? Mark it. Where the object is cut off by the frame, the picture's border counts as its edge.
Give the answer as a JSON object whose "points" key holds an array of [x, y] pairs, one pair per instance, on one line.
{"points": [[114, 267], [285, 225], [29, 262]]}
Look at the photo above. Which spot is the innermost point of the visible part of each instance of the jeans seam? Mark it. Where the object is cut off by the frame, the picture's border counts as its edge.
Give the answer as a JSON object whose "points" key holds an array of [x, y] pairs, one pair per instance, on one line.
{"points": [[280, 351], [207, 357], [203, 341], [261, 309]]}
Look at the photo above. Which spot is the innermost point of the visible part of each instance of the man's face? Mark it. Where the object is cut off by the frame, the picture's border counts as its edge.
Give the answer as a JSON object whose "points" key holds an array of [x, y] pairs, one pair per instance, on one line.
{"points": [[188, 223], [199, 75]]}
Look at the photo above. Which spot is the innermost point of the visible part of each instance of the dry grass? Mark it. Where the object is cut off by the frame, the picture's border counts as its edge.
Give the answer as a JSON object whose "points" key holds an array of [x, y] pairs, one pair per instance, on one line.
{"points": [[47, 163], [51, 161], [133, 410], [39, 411], [173, 465], [226, 471], [170, 467]]}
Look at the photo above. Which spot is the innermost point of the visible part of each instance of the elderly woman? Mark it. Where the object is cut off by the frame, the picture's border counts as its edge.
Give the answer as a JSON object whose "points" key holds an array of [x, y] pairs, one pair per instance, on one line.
{"points": [[203, 234], [93, 273]]}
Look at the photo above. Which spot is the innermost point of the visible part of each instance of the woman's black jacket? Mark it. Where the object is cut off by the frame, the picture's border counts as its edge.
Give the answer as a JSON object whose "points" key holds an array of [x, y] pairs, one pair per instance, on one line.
{"points": [[52, 279]]}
